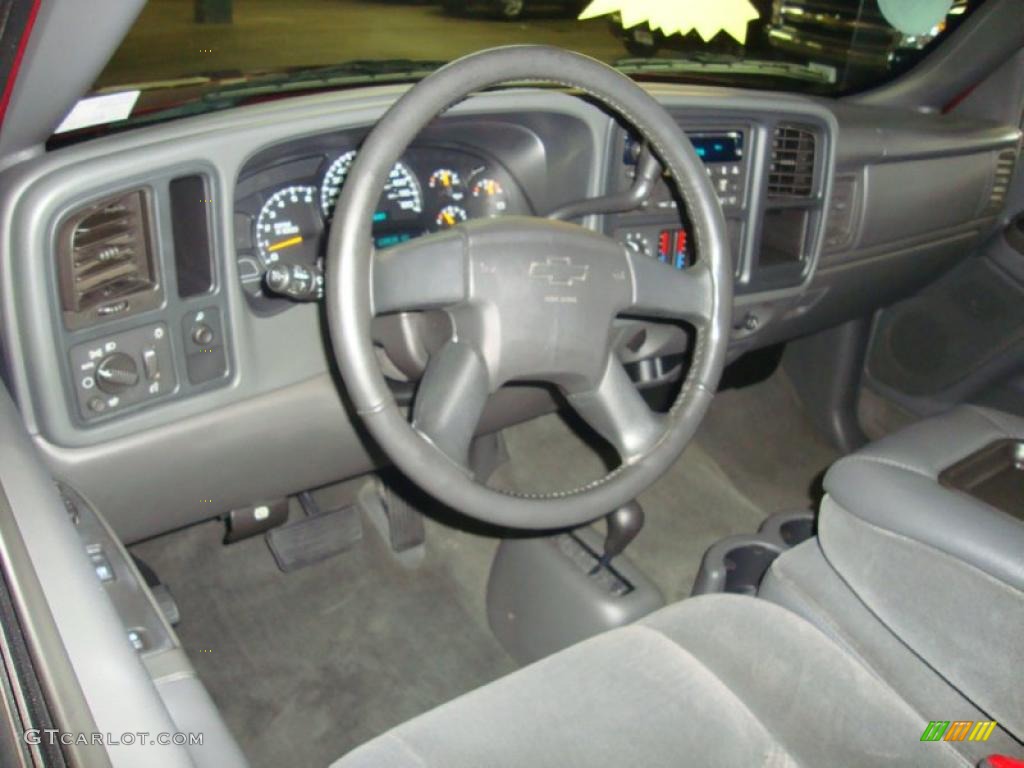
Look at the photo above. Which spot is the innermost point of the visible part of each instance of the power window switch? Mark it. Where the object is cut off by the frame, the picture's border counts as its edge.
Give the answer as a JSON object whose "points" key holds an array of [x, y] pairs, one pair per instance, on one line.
{"points": [[137, 638], [101, 565]]}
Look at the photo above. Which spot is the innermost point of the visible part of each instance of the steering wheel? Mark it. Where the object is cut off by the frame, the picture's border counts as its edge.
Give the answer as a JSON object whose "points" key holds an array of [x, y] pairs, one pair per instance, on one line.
{"points": [[529, 299]]}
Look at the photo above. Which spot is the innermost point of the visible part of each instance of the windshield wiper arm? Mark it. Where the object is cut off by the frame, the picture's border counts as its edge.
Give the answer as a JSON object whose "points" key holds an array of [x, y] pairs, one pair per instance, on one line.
{"points": [[356, 71], [719, 64], [368, 67]]}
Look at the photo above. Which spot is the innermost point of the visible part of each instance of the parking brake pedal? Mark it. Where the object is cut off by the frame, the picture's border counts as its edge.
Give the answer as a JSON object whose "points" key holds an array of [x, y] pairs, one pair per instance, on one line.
{"points": [[314, 538]]}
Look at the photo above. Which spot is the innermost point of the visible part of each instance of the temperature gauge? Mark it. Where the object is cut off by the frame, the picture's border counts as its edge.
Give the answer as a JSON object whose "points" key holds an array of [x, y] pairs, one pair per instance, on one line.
{"points": [[450, 216]]}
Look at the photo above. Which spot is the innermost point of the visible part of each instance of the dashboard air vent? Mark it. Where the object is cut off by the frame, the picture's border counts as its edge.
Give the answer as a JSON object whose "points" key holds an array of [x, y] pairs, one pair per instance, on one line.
{"points": [[105, 260], [1001, 181], [792, 168]]}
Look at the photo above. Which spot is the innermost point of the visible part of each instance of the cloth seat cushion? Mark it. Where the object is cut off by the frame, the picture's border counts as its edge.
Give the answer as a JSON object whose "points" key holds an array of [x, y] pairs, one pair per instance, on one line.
{"points": [[717, 680]]}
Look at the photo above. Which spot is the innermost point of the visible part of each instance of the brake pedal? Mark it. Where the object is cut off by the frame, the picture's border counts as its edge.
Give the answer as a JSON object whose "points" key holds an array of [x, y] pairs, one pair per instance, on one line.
{"points": [[313, 539], [398, 521]]}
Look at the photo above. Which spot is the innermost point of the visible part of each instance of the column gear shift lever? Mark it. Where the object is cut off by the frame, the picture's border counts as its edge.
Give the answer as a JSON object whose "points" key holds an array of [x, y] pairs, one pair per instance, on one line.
{"points": [[623, 525]]}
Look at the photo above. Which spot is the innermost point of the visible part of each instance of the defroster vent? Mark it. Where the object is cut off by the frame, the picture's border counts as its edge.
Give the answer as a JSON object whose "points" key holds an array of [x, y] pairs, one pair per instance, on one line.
{"points": [[105, 260], [1005, 161], [793, 158]]}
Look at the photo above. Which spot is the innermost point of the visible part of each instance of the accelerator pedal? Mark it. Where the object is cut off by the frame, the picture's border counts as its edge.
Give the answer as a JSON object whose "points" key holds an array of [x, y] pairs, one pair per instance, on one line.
{"points": [[315, 537]]}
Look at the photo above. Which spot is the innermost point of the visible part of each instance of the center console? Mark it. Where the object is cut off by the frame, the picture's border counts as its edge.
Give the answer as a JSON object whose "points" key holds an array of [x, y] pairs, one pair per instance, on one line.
{"points": [[917, 558], [770, 177], [658, 230]]}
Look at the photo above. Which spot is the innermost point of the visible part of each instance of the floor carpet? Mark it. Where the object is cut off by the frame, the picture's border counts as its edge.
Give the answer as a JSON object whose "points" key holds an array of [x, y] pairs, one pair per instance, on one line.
{"points": [[307, 665]]}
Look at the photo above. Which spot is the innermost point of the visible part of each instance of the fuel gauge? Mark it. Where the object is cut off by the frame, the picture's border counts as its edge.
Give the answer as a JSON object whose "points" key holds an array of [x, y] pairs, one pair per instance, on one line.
{"points": [[447, 183]]}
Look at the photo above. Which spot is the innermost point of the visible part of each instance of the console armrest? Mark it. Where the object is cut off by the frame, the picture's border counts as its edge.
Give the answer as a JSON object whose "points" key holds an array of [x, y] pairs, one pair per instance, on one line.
{"points": [[894, 484]]}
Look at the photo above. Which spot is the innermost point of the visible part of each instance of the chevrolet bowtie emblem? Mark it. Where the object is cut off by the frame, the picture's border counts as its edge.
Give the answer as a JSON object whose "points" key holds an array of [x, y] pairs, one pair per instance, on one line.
{"points": [[559, 270]]}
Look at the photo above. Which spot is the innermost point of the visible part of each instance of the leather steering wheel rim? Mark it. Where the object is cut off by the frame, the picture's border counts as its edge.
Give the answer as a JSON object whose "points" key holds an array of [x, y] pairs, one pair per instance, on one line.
{"points": [[357, 275]]}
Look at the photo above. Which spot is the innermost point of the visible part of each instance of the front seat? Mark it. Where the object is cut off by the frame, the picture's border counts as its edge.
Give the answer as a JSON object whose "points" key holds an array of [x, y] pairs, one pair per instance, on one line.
{"points": [[717, 680], [909, 606]]}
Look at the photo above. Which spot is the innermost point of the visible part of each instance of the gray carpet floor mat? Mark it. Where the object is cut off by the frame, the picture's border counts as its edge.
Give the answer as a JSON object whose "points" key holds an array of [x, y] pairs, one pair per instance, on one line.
{"points": [[304, 666]]}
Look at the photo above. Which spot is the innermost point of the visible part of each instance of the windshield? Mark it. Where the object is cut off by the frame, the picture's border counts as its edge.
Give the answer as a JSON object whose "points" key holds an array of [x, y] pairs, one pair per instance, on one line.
{"points": [[210, 54]]}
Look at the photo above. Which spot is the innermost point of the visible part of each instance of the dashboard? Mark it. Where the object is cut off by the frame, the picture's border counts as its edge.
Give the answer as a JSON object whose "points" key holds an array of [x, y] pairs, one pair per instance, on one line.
{"points": [[156, 370]]}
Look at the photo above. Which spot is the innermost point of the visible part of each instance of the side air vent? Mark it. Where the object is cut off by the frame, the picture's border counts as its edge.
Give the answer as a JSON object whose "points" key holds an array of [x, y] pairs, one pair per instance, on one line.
{"points": [[1001, 181], [792, 167], [105, 261]]}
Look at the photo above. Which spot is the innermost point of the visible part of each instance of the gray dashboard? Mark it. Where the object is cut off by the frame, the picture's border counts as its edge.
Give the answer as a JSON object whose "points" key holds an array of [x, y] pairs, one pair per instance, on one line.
{"points": [[892, 199]]}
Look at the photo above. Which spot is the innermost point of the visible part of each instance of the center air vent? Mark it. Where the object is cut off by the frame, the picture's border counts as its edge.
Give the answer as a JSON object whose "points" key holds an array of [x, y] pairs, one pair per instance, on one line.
{"points": [[792, 168], [105, 261], [1001, 181]]}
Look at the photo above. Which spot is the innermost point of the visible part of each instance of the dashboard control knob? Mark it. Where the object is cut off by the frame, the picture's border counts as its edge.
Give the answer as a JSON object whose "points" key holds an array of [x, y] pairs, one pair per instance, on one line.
{"points": [[278, 277], [202, 335], [295, 281], [116, 373]]}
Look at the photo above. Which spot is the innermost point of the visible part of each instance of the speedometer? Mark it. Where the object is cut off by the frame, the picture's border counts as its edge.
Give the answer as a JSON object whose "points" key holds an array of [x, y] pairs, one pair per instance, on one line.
{"points": [[402, 199]]}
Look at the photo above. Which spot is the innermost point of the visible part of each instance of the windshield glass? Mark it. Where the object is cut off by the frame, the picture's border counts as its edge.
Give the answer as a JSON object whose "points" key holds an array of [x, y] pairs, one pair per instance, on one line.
{"points": [[210, 54]]}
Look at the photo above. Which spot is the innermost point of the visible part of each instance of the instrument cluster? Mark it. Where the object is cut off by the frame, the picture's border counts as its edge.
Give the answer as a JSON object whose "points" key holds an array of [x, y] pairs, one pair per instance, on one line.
{"points": [[283, 213]]}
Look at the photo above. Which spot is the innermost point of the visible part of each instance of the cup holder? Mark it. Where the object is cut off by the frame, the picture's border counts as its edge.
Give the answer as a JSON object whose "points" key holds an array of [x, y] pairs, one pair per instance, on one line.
{"points": [[737, 564], [789, 528]]}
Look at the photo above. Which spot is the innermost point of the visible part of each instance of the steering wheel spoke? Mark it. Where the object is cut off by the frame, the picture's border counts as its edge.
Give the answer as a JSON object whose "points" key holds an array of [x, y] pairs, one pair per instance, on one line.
{"points": [[616, 411], [661, 291], [450, 399], [426, 273]]}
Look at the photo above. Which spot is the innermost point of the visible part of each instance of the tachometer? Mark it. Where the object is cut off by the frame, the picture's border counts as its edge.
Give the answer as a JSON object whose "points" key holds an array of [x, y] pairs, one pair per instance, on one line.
{"points": [[402, 198], [289, 227]]}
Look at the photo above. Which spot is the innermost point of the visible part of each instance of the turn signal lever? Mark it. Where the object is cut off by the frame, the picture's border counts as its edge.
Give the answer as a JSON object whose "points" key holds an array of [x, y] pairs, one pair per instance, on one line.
{"points": [[623, 526], [295, 281], [648, 172]]}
